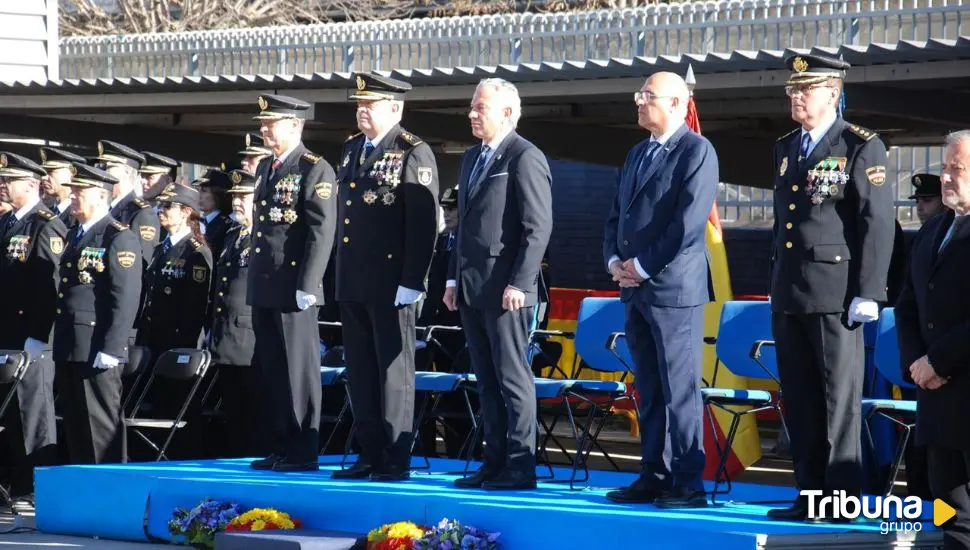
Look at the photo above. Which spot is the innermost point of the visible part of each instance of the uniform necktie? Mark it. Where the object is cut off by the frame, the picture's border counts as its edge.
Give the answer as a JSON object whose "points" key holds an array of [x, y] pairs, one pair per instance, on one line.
{"points": [[479, 166], [79, 234], [11, 220], [167, 245], [451, 240], [368, 149], [803, 149], [277, 164]]}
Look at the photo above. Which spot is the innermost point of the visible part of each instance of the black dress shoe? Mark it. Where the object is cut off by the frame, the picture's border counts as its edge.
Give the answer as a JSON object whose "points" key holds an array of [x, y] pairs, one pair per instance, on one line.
{"points": [[639, 492], [798, 511], [389, 473], [360, 470], [268, 462], [476, 480], [511, 480], [287, 465], [681, 497]]}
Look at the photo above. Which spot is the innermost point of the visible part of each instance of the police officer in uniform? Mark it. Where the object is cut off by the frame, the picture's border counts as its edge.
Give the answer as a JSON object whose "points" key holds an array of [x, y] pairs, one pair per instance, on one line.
{"points": [[388, 212], [293, 235], [100, 284], [31, 241], [254, 152], [216, 206], [156, 173], [233, 340], [833, 237], [127, 207], [58, 162], [928, 196]]}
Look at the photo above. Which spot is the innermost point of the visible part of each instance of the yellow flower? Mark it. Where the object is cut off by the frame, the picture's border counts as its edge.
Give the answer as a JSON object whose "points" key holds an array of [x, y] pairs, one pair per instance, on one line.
{"points": [[258, 525], [404, 529]]}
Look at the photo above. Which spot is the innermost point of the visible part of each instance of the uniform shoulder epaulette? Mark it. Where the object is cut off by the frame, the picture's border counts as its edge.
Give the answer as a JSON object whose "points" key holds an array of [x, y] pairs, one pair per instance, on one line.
{"points": [[355, 136], [410, 138], [141, 203], [311, 157], [864, 133], [196, 245], [118, 225], [46, 214], [789, 134]]}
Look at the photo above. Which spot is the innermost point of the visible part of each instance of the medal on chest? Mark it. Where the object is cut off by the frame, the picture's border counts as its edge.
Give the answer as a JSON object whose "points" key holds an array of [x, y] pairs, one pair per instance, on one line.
{"points": [[287, 189], [91, 259], [17, 248], [387, 170], [825, 178], [244, 257], [174, 268]]}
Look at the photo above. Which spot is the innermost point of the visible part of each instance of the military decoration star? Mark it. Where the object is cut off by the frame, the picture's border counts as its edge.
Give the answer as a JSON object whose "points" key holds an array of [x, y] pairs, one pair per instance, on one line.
{"points": [[85, 278], [825, 178], [289, 215], [17, 248], [387, 198], [369, 197], [275, 214]]}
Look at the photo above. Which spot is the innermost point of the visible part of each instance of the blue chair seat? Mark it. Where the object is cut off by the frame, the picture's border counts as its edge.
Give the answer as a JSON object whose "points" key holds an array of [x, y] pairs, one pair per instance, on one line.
{"points": [[548, 388], [871, 406], [729, 396], [330, 375], [439, 381], [599, 386]]}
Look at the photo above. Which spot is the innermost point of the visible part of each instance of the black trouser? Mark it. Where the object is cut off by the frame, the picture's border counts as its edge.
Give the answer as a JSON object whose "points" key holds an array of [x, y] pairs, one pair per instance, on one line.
{"points": [[498, 342], [91, 400], [949, 471], [820, 361], [30, 432], [917, 474], [288, 354], [379, 350]]}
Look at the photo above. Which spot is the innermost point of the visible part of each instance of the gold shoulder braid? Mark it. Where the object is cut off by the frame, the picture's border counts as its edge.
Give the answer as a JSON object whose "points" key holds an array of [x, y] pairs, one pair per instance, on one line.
{"points": [[864, 133], [118, 225], [311, 157], [788, 135]]}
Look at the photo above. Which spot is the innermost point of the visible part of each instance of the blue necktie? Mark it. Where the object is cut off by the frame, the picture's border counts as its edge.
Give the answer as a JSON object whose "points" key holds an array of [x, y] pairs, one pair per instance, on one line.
{"points": [[477, 169], [368, 149], [647, 159], [79, 234], [167, 245], [803, 150], [451, 241]]}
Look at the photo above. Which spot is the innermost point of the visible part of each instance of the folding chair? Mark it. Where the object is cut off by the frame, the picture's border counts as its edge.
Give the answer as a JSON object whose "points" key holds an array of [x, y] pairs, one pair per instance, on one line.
{"points": [[139, 362], [898, 411], [183, 364], [13, 368]]}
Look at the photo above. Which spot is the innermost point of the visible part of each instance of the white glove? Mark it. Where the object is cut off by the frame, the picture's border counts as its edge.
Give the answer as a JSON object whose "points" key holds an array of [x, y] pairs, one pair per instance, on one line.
{"points": [[105, 361], [406, 296], [863, 310], [35, 348], [304, 299]]}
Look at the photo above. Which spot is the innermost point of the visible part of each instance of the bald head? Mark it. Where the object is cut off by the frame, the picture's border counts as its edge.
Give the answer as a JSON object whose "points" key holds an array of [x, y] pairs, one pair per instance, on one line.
{"points": [[662, 103]]}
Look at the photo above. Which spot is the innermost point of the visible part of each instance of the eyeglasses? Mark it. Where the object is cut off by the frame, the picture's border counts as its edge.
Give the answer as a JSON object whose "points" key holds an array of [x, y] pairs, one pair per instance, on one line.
{"points": [[647, 96], [803, 89]]}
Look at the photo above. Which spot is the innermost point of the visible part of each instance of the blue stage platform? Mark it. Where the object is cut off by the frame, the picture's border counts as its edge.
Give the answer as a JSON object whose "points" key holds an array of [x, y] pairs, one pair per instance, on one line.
{"points": [[127, 501]]}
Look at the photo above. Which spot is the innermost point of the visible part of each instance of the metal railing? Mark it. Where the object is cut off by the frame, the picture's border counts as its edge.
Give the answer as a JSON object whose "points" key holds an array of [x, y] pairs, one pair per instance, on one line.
{"points": [[751, 207], [665, 29]]}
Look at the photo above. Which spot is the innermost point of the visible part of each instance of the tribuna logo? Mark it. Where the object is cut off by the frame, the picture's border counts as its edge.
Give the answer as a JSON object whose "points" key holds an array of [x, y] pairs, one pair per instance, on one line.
{"points": [[902, 514]]}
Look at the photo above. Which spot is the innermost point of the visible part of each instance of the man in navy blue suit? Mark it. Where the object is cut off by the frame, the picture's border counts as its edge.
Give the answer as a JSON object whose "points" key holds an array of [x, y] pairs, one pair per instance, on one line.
{"points": [[654, 247]]}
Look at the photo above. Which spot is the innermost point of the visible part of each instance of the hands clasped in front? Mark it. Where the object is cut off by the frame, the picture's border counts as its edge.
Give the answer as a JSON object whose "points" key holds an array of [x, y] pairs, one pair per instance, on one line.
{"points": [[625, 273], [924, 375], [513, 299]]}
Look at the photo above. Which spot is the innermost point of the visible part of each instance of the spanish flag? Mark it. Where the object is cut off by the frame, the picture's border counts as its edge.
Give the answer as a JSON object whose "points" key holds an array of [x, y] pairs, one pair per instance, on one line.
{"points": [[747, 444]]}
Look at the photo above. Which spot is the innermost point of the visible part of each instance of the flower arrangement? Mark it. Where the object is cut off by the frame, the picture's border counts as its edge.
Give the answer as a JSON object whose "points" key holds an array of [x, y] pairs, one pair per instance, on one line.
{"points": [[262, 519], [198, 527], [394, 536], [452, 535]]}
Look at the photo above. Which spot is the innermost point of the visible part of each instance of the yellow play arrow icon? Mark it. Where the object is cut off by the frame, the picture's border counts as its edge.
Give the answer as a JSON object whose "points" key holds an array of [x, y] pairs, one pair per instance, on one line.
{"points": [[942, 512]]}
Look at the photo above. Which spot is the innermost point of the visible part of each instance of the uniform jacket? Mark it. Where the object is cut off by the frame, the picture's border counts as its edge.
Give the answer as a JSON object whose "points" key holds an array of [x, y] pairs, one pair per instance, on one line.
{"points": [[98, 294], [295, 211], [176, 297], [433, 311], [233, 340], [143, 221], [833, 229], [215, 233], [504, 223], [31, 250], [659, 216], [933, 319], [388, 217]]}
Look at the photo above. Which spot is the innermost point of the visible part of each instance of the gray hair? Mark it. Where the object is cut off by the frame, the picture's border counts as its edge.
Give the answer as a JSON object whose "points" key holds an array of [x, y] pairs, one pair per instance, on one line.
{"points": [[509, 96], [954, 138]]}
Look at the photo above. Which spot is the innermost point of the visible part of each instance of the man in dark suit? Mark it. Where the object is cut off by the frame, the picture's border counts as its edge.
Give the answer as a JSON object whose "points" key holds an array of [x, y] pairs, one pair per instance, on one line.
{"points": [[58, 162], [932, 320], [833, 238], [505, 221], [389, 207], [127, 206], [654, 247], [293, 235], [32, 239], [100, 287]]}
